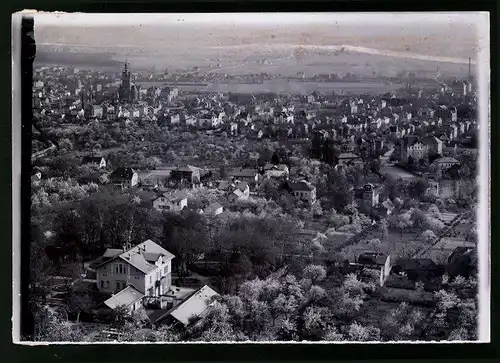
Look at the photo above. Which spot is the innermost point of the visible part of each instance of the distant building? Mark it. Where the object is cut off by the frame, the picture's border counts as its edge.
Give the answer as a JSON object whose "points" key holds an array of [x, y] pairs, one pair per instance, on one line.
{"points": [[417, 148], [171, 202], [213, 209], [347, 158], [377, 261], [276, 171], [187, 173], [368, 196], [446, 162], [95, 160], [304, 191], [418, 269], [127, 91], [125, 177], [241, 191], [246, 175]]}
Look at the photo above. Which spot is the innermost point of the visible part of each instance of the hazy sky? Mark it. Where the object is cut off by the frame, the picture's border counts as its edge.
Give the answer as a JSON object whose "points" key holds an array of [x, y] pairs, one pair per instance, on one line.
{"points": [[446, 35]]}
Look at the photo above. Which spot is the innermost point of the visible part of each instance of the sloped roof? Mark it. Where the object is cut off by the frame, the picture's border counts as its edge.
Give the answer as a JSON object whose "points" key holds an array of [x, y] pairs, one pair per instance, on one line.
{"points": [[173, 197], [194, 305], [213, 207], [137, 256], [416, 263], [112, 252], [302, 186], [348, 156], [188, 168], [92, 159], [123, 173], [243, 172], [446, 159], [125, 297]]}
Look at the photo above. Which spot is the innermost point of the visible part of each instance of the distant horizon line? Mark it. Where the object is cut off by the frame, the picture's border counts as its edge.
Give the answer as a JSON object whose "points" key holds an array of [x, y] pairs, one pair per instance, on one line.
{"points": [[332, 47]]}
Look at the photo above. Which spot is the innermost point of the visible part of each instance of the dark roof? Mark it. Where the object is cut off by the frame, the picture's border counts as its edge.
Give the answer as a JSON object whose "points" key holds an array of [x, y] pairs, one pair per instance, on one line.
{"points": [[372, 258], [92, 159], [301, 186], [416, 264], [123, 173]]}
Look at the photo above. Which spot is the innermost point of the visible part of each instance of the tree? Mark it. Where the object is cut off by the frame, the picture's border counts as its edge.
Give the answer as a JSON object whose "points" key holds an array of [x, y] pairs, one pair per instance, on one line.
{"points": [[78, 302], [314, 273], [186, 236], [428, 235], [400, 221], [418, 188], [359, 333], [52, 325]]}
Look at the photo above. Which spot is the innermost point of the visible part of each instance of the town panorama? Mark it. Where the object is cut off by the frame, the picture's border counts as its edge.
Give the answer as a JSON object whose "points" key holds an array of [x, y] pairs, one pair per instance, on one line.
{"points": [[240, 202]]}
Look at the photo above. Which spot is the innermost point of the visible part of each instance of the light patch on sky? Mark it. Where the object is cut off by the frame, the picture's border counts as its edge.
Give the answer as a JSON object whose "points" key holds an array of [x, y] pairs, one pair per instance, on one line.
{"points": [[398, 19]]}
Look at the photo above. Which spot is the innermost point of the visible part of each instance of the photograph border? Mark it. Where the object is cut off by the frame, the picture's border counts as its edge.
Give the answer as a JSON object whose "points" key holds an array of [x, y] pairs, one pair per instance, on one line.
{"points": [[291, 350]]}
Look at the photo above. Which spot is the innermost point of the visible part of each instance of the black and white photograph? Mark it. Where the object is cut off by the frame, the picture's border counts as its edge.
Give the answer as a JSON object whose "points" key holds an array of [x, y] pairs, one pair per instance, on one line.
{"points": [[254, 177]]}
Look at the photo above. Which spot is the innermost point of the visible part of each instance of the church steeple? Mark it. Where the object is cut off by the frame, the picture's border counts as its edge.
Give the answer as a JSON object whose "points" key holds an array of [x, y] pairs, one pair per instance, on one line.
{"points": [[125, 87]]}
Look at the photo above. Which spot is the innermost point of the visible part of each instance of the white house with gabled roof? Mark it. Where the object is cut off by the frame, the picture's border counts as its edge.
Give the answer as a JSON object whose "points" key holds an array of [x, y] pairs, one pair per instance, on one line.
{"points": [[147, 267]]}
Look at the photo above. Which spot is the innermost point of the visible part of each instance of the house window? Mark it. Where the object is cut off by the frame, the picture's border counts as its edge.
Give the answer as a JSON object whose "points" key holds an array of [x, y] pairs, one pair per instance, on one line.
{"points": [[118, 285], [116, 269], [102, 284], [107, 283], [165, 270]]}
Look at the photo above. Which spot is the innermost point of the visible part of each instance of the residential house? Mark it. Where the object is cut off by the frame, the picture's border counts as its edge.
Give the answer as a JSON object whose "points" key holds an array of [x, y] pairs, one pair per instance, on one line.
{"points": [[377, 261], [283, 117], [188, 173], [151, 183], [417, 148], [146, 267], [246, 175], [125, 177], [368, 196], [446, 162], [95, 160], [171, 202], [276, 171], [129, 297], [195, 305], [213, 209], [303, 190], [233, 128], [417, 269], [347, 158], [241, 191]]}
